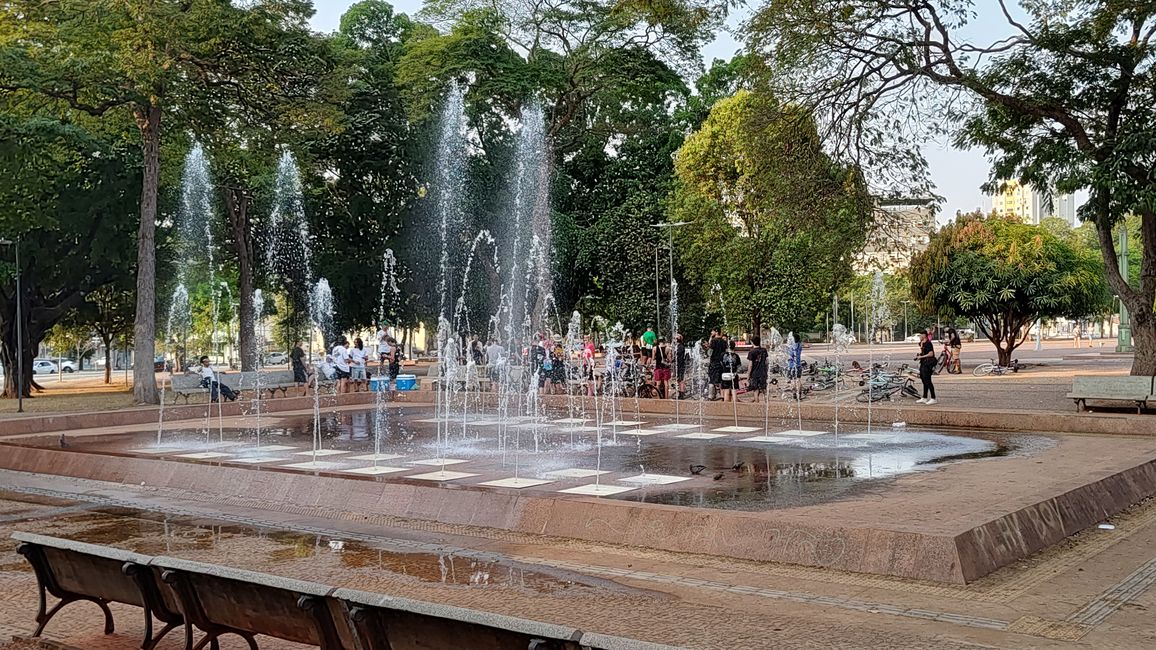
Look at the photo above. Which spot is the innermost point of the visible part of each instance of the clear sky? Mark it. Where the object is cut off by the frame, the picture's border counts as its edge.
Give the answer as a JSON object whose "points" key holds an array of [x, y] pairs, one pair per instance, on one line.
{"points": [[957, 174]]}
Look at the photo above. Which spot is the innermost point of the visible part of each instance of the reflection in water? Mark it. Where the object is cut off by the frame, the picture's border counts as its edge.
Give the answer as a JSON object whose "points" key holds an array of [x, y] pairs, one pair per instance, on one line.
{"points": [[732, 472]]}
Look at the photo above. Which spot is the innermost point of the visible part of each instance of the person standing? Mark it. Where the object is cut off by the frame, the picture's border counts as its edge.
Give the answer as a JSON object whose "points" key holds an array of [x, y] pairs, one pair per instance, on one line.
{"points": [[926, 359], [662, 360], [297, 362], [341, 368], [757, 357], [395, 355], [649, 338], [956, 345], [679, 361], [732, 365], [495, 362], [358, 358], [718, 349], [382, 338]]}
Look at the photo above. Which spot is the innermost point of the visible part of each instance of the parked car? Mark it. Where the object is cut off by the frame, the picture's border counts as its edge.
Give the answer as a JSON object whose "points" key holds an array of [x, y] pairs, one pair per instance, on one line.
{"points": [[43, 367], [276, 359]]}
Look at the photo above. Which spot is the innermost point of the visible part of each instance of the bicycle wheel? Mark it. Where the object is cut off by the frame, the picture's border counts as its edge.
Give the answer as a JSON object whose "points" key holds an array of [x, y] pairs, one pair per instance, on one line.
{"points": [[910, 391], [983, 369]]}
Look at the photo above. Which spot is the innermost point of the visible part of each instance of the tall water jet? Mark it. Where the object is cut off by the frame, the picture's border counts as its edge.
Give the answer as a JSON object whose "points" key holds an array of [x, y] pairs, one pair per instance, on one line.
{"points": [[321, 317], [877, 313], [288, 251]]}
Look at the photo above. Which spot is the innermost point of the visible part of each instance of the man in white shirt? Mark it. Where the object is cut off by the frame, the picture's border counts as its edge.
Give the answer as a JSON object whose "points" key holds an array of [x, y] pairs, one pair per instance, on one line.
{"points": [[341, 365], [209, 380]]}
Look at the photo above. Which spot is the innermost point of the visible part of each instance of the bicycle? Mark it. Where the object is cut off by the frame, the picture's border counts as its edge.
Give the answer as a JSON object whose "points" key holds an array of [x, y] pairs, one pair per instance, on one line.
{"points": [[886, 386], [994, 368]]}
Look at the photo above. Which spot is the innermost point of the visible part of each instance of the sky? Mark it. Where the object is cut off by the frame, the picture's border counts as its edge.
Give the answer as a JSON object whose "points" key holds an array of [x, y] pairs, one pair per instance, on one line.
{"points": [[957, 174]]}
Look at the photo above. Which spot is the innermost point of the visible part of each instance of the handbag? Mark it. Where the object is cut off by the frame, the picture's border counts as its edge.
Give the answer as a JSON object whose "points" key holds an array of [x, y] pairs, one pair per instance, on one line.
{"points": [[728, 376]]}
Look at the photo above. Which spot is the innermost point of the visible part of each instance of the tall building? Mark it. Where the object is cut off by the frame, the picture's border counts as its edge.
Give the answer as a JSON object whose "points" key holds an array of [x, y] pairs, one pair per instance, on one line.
{"points": [[902, 229], [1028, 204]]}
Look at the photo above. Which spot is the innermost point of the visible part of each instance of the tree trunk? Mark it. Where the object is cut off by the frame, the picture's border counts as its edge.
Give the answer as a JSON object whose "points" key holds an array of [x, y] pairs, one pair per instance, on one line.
{"points": [[107, 341], [1144, 341], [144, 325], [237, 203]]}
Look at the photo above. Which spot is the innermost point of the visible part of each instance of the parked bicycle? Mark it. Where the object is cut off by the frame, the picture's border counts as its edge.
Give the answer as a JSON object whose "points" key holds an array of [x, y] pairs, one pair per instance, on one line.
{"points": [[887, 386]]}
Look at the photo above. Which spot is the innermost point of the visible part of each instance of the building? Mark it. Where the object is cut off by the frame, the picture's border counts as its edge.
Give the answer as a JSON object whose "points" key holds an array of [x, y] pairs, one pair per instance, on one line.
{"points": [[1031, 206], [902, 229]]}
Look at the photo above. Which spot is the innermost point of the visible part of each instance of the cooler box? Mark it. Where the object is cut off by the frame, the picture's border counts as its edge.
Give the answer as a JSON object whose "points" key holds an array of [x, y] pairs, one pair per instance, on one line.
{"points": [[379, 384], [407, 382]]}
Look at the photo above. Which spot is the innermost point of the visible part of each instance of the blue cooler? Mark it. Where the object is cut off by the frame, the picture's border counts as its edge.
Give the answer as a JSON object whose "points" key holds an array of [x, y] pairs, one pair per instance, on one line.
{"points": [[406, 382], [379, 384]]}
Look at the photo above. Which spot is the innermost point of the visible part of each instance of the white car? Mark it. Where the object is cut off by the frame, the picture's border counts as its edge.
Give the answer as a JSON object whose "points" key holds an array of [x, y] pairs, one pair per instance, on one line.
{"points": [[43, 367], [276, 359]]}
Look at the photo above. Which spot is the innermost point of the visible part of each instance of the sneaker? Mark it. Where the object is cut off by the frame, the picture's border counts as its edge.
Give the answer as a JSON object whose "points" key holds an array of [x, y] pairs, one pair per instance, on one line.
{"points": [[930, 402], [921, 400]]}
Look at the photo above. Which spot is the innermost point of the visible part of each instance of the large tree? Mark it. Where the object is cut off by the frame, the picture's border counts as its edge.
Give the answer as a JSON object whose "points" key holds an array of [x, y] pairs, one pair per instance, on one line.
{"points": [[67, 200], [1060, 97], [153, 58], [775, 221], [1003, 275]]}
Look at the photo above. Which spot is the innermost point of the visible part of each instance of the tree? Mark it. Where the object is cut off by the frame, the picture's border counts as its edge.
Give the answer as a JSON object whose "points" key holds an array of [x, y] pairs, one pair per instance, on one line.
{"points": [[110, 312], [1003, 275], [153, 58], [775, 220], [66, 195], [1061, 99]]}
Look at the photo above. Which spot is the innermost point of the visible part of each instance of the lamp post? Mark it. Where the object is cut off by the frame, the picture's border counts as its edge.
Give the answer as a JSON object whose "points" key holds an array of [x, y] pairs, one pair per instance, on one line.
{"points": [[669, 226], [1124, 332], [905, 319], [19, 328]]}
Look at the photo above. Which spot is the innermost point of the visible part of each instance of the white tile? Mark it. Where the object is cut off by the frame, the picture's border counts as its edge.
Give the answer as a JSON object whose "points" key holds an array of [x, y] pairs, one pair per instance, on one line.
{"points": [[438, 462], [702, 436], [380, 469], [623, 423], [483, 423], [683, 426], [257, 460], [431, 420], [516, 483], [314, 464], [321, 452], [574, 472], [157, 450], [597, 490], [219, 445], [733, 429], [540, 426], [375, 457], [582, 429], [269, 448], [441, 476], [204, 455], [640, 432], [653, 479], [774, 440], [801, 433], [571, 421]]}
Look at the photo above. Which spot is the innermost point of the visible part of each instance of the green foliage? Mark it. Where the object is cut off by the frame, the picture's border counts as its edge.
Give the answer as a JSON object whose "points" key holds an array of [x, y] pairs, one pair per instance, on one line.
{"points": [[775, 220], [1003, 275]]}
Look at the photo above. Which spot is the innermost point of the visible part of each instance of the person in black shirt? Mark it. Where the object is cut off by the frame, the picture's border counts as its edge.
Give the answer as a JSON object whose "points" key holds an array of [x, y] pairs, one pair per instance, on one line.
{"points": [[758, 360], [662, 367], [679, 362], [927, 363], [718, 348], [732, 365]]}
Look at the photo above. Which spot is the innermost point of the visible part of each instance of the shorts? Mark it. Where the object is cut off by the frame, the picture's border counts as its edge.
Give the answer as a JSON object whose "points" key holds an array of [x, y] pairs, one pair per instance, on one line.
{"points": [[662, 374], [340, 374], [357, 373]]}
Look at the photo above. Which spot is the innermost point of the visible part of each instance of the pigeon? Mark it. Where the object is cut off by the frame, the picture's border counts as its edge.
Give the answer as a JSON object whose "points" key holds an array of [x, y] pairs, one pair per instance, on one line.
{"points": [[737, 466], [63, 442], [697, 469], [718, 477]]}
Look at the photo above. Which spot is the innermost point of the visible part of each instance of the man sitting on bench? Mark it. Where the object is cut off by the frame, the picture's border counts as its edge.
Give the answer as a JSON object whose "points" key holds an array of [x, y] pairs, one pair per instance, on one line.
{"points": [[209, 380]]}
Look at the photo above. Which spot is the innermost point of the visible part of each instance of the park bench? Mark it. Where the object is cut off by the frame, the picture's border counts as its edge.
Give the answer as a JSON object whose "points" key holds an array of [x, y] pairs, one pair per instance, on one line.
{"points": [[1138, 390], [76, 571], [219, 600], [270, 381]]}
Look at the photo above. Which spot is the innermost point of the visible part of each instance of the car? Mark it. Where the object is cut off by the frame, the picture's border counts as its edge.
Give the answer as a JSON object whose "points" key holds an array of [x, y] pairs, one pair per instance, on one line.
{"points": [[67, 365], [43, 367], [914, 338], [276, 359]]}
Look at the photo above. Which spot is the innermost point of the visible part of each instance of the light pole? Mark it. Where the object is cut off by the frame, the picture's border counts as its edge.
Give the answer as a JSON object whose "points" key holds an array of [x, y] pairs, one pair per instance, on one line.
{"points": [[19, 329], [905, 319], [1124, 332], [669, 226]]}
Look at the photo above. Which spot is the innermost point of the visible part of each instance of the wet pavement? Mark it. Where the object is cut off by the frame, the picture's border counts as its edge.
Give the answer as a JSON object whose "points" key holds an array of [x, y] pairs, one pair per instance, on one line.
{"points": [[733, 464]]}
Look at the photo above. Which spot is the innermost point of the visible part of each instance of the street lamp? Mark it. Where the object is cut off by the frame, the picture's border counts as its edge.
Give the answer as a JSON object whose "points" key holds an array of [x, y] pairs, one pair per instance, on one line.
{"points": [[905, 319], [669, 226], [19, 329]]}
